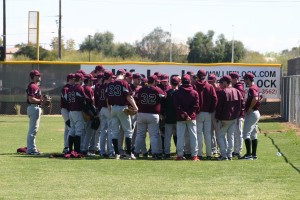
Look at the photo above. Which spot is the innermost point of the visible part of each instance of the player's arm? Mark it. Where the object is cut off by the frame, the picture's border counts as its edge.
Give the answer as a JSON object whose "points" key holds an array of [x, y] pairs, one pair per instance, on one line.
{"points": [[34, 100], [132, 102], [252, 104]]}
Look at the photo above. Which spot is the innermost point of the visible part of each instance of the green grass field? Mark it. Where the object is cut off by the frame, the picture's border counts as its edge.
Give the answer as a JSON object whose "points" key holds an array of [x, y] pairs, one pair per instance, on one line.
{"points": [[41, 177]]}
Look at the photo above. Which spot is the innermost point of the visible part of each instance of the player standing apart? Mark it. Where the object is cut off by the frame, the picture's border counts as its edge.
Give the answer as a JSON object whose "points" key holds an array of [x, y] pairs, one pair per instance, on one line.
{"points": [[251, 117], [34, 101], [118, 94], [186, 102]]}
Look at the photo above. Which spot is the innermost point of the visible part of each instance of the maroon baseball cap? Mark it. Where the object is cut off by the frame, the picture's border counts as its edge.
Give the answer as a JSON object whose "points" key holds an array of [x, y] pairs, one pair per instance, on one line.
{"points": [[226, 78], [136, 76], [128, 74], [157, 74], [201, 73], [99, 68], [152, 78], [107, 74], [70, 76], [175, 80], [234, 75], [81, 72], [186, 79], [79, 76], [100, 75], [164, 77], [190, 73], [35, 73], [249, 76], [89, 77], [212, 77], [121, 71]]}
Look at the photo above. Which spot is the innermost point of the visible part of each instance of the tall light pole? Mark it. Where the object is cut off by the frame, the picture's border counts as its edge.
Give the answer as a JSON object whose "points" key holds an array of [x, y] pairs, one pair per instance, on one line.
{"points": [[59, 31], [170, 42], [232, 46], [4, 30], [90, 48]]}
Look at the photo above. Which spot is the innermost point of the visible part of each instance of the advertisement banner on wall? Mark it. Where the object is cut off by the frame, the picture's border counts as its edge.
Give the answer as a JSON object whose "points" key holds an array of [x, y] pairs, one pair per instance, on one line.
{"points": [[267, 77]]}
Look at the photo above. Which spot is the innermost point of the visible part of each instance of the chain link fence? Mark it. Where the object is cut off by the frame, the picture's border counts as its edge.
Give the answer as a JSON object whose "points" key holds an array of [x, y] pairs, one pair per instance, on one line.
{"points": [[14, 78], [290, 99]]}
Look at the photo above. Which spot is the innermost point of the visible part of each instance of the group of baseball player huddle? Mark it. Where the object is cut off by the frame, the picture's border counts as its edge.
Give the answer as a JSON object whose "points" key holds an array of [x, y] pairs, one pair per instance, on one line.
{"points": [[184, 109]]}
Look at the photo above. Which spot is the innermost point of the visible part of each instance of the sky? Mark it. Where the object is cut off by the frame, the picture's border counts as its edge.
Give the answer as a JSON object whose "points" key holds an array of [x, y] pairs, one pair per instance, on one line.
{"points": [[262, 25]]}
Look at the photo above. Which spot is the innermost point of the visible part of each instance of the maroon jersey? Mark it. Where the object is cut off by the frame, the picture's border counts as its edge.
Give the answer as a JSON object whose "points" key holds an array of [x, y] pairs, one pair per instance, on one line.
{"points": [[100, 96], [229, 104], [33, 90], [253, 92], [117, 91], [89, 92], [64, 97], [207, 96], [76, 97], [240, 87], [149, 99], [186, 102]]}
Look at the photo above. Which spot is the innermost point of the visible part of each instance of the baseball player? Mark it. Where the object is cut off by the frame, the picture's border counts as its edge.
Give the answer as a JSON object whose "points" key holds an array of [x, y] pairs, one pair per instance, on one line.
{"points": [[76, 98], [98, 69], [238, 132], [212, 79], [117, 95], [105, 119], [227, 111], [64, 105], [170, 117], [207, 104], [149, 100], [88, 145], [34, 101], [252, 116], [186, 102]]}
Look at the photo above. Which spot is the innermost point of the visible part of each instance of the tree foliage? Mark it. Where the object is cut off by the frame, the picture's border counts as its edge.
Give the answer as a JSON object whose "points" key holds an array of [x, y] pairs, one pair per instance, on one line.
{"points": [[31, 51], [203, 49]]}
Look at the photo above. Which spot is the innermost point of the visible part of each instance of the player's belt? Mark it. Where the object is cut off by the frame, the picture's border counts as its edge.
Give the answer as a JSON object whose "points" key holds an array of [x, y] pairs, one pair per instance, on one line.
{"points": [[34, 105], [117, 105]]}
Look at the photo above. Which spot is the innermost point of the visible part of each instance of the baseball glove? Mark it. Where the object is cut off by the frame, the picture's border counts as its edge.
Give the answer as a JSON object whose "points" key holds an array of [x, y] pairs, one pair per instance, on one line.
{"points": [[129, 111], [95, 123], [47, 100]]}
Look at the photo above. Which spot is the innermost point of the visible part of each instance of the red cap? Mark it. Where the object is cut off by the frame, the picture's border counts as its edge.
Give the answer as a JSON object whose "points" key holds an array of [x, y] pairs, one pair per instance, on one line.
{"points": [[79, 75], [107, 74], [136, 76], [212, 77], [99, 68], [81, 72], [190, 73], [201, 73], [164, 77], [34, 73], [121, 71], [70, 76], [186, 79], [234, 75], [175, 80], [249, 76], [152, 78], [226, 78], [128, 74], [89, 77], [157, 74]]}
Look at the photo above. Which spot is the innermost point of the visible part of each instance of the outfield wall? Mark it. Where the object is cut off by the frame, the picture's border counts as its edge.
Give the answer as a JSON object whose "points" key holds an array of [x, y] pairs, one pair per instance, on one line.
{"points": [[14, 77]]}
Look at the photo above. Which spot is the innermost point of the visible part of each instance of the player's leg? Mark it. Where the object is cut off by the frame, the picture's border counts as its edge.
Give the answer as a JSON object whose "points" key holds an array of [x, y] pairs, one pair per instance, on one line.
{"points": [[79, 130], [253, 135], [230, 138], [181, 129], [141, 126], [207, 133], [153, 128], [192, 131], [103, 130], [34, 114], [168, 135], [65, 115], [200, 123], [238, 137], [115, 128]]}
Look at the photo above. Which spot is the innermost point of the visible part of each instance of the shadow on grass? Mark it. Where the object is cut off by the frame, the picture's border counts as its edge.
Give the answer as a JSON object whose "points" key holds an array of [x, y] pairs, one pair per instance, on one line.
{"points": [[271, 119], [282, 154]]}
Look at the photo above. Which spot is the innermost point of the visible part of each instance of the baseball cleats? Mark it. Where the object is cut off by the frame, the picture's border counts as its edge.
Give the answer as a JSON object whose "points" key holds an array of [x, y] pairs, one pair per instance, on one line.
{"points": [[221, 158], [65, 150], [180, 158], [34, 153], [246, 157], [130, 157], [117, 156], [195, 158], [254, 157], [167, 157], [208, 157], [238, 155]]}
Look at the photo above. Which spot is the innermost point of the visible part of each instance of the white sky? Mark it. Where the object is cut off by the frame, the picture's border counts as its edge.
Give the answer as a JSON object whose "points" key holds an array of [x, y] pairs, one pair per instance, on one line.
{"points": [[264, 26]]}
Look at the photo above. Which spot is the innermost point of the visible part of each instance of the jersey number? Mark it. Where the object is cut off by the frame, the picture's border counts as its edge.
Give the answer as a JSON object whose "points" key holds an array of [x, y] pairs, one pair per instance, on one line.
{"points": [[149, 99], [114, 90]]}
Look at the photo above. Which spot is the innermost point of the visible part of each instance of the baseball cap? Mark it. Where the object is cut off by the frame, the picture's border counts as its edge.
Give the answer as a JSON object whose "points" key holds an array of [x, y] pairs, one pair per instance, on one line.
{"points": [[81, 72], [201, 73], [136, 76], [226, 78], [190, 73], [175, 80], [249, 76], [99, 68], [212, 77], [70, 76], [186, 79], [79, 76], [121, 71], [128, 74], [107, 74], [164, 77], [234, 75], [157, 74], [100, 75], [89, 77], [34, 73], [152, 78]]}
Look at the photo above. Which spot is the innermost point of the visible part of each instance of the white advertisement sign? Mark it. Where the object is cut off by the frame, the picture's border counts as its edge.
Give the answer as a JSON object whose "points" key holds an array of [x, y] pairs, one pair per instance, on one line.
{"points": [[267, 77]]}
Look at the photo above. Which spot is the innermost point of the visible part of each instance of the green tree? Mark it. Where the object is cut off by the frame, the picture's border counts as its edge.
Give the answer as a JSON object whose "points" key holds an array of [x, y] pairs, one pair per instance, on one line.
{"points": [[239, 51], [124, 50], [70, 45], [30, 52], [54, 43], [155, 46]]}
